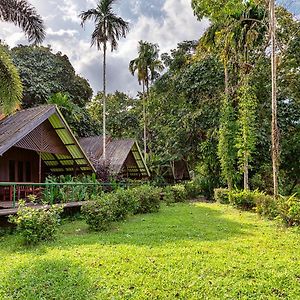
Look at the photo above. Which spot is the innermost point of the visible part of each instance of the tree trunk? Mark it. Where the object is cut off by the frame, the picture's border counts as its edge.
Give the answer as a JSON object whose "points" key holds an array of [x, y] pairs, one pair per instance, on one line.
{"points": [[246, 171], [144, 119], [275, 133], [104, 101]]}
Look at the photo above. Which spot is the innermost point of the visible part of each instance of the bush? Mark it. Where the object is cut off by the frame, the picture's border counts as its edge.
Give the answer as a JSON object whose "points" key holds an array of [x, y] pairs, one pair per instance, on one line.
{"points": [[193, 188], [147, 199], [221, 195], [243, 199], [99, 213], [35, 224], [178, 191], [289, 210], [266, 205], [124, 202]]}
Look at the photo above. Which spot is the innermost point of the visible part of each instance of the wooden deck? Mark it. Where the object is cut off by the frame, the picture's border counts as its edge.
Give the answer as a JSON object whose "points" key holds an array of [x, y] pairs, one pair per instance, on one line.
{"points": [[12, 211]]}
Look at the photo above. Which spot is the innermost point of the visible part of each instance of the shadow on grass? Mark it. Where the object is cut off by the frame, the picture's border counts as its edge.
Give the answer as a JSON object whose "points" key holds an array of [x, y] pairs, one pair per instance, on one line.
{"points": [[177, 223], [47, 279]]}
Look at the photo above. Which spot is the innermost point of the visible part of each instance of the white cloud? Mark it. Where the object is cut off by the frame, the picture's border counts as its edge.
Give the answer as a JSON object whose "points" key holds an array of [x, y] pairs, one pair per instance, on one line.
{"points": [[174, 24]]}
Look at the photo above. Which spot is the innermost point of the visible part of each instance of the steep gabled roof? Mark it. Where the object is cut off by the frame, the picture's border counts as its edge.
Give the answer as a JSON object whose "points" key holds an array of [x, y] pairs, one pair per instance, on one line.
{"points": [[17, 129], [117, 151]]}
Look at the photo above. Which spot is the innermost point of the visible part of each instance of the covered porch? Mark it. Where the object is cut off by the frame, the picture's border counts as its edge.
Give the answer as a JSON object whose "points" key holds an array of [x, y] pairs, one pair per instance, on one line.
{"points": [[35, 143]]}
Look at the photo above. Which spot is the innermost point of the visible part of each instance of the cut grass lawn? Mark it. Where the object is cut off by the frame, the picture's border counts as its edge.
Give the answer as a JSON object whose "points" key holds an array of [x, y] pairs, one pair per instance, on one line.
{"points": [[186, 251]]}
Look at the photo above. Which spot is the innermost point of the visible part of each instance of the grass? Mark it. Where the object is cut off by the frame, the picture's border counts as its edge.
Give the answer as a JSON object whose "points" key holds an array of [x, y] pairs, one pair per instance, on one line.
{"points": [[187, 251]]}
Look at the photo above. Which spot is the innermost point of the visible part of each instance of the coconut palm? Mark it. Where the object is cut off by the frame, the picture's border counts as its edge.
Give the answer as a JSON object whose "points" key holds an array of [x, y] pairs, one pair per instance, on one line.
{"points": [[109, 28], [147, 65], [23, 15]]}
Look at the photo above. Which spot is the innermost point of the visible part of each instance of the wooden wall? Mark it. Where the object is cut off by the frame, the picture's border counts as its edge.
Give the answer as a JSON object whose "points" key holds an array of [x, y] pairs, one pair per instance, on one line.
{"points": [[24, 156]]}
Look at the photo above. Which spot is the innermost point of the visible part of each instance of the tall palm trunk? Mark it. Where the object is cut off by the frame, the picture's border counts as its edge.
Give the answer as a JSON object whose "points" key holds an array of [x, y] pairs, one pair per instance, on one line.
{"points": [[275, 133], [104, 101], [145, 120]]}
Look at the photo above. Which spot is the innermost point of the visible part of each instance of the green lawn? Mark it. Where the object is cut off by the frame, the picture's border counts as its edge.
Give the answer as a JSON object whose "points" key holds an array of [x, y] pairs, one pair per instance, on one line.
{"points": [[187, 251]]}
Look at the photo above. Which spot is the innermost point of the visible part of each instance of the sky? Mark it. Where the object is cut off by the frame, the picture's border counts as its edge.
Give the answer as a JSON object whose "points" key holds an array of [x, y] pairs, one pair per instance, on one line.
{"points": [[165, 22]]}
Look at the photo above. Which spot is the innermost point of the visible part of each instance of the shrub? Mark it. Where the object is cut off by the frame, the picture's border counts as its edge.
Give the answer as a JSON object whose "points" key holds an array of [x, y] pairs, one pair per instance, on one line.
{"points": [[243, 199], [99, 213], [124, 202], [221, 195], [266, 205], [179, 191], [147, 197], [168, 196], [289, 210], [193, 188], [36, 224]]}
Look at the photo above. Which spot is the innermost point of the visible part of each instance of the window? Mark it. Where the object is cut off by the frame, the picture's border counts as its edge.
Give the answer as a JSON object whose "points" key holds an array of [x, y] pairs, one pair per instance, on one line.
{"points": [[12, 170], [28, 171], [20, 171]]}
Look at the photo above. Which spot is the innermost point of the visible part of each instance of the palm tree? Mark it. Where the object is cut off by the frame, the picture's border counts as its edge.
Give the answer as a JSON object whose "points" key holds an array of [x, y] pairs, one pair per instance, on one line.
{"points": [[147, 65], [23, 15], [109, 28]]}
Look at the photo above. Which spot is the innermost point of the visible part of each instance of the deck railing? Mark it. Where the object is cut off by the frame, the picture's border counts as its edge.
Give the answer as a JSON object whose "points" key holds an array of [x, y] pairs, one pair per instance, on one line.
{"points": [[52, 193]]}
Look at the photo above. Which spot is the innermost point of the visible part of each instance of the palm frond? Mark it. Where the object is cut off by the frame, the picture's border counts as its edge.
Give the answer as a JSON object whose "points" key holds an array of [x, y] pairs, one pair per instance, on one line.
{"points": [[10, 83], [23, 15]]}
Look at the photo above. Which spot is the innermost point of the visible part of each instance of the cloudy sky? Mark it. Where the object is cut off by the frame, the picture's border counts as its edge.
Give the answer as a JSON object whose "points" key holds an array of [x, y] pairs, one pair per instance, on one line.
{"points": [[165, 22]]}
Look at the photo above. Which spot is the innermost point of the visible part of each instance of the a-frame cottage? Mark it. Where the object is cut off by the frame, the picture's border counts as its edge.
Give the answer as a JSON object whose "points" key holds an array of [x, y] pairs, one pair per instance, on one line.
{"points": [[123, 156], [37, 142]]}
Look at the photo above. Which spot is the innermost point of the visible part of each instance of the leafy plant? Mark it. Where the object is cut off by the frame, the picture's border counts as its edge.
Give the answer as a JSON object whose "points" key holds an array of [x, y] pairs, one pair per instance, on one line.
{"points": [[221, 195], [179, 192], [99, 213], [289, 210], [36, 224], [243, 199], [266, 205], [148, 199]]}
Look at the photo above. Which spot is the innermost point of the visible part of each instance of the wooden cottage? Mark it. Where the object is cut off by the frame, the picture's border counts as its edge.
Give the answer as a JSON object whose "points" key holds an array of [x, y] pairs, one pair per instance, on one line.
{"points": [[123, 156], [37, 142]]}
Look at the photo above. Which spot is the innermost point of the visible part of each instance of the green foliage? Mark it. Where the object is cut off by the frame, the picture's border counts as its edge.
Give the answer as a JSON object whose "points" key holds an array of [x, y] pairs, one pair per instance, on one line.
{"points": [[289, 210], [193, 188], [266, 205], [36, 224], [178, 191], [99, 213], [44, 73], [11, 86], [221, 195], [124, 203], [246, 138], [226, 148], [116, 206], [148, 199], [122, 111], [244, 200], [66, 193]]}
